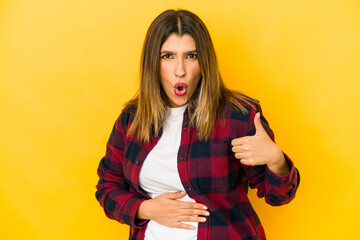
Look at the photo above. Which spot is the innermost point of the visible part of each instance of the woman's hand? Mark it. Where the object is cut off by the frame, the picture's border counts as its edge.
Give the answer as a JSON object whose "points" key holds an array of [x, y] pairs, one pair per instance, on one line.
{"points": [[168, 211], [260, 149]]}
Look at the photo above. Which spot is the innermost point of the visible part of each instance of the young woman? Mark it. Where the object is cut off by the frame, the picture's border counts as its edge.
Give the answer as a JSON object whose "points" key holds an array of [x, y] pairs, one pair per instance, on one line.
{"points": [[182, 150]]}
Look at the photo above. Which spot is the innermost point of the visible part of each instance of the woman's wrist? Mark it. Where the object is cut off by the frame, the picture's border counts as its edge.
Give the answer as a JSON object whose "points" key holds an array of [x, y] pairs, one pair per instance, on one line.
{"points": [[143, 210], [279, 165]]}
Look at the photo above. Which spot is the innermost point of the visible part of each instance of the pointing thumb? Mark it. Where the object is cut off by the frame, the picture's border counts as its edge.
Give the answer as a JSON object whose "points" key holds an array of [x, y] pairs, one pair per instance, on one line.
{"points": [[258, 126]]}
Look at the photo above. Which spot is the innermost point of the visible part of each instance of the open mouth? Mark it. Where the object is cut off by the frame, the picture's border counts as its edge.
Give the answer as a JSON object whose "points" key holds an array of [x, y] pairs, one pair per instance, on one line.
{"points": [[180, 89]]}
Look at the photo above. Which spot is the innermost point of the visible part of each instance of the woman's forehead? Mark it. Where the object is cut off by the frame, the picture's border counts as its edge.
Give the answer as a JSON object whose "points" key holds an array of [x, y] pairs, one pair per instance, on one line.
{"points": [[175, 43]]}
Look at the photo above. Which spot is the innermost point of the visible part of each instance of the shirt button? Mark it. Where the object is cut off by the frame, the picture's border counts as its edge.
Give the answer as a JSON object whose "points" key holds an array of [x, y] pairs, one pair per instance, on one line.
{"points": [[155, 135], [181, 158], [137, 162], [189, 189]]}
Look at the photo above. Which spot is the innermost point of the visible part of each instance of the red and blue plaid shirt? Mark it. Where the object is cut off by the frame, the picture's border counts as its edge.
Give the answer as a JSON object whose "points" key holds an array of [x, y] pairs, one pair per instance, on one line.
{"points": [[208, 170]]}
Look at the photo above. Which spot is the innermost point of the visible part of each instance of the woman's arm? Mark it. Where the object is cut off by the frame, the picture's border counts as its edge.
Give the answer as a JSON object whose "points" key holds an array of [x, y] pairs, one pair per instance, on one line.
{"points": [[259, 149], [119, 203], [113, 192], [264, 164]]}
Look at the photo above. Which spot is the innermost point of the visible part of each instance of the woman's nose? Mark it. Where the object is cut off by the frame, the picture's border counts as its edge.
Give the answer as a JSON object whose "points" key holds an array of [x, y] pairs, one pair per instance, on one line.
{"points": [[180, 68]]}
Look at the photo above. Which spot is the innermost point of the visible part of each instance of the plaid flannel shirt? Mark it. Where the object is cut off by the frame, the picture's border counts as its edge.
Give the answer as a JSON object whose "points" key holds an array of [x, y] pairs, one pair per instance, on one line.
{"points": [[208, 170]]}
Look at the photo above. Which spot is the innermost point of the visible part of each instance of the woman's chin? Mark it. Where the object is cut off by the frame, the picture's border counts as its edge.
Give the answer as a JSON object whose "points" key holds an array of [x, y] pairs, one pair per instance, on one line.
{"points": [[180, 101]]}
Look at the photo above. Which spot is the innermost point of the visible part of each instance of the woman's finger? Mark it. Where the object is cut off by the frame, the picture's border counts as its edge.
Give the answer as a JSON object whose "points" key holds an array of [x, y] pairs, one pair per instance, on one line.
{"points": [[190, 205], [240, 141], [248, 162], [239, 149], [183, 225], [241, 155], [172, 195], [194, 212], [188, 218]]}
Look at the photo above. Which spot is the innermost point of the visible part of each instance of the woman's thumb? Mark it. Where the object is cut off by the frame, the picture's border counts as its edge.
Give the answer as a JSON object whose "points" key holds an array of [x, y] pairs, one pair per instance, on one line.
{"points": [[175, 195]]}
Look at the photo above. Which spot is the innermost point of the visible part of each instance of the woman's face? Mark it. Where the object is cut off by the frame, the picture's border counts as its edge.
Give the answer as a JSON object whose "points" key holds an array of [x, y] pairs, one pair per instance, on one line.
{"points": [[179, 69]]}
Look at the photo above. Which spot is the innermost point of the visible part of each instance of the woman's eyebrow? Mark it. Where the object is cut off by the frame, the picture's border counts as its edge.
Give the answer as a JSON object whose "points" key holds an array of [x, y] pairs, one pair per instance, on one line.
{"points": [[171, 52]]}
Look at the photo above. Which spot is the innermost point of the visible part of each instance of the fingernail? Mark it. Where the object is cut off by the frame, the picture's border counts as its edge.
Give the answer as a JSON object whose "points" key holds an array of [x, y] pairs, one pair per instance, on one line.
{"points": [[203, 219], [207, 213], [205, 207], [192, 227]]}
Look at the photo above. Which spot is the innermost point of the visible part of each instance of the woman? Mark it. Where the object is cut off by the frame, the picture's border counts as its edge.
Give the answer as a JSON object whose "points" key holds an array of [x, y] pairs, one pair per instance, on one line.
{"points": [[182, 150]]}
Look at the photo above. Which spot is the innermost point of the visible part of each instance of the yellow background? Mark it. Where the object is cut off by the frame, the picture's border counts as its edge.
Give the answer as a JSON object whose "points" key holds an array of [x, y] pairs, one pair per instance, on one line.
{"points": [[67, 67]]}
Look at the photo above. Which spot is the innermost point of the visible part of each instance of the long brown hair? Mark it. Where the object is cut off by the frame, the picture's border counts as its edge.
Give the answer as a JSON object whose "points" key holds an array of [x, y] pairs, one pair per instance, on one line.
{"points": [[208, 99]]}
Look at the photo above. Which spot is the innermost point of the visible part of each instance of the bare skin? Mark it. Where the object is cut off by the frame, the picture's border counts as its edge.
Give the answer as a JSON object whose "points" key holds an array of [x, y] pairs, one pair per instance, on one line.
{"points": [[168, 211]]}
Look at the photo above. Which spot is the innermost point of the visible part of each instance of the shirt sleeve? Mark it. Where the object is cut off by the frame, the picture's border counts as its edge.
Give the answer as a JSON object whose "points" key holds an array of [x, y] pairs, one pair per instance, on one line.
{"points": [[113, 191], [277, 189]]}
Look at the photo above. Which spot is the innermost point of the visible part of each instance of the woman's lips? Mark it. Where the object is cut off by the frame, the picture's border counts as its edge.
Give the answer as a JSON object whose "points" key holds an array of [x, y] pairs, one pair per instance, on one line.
{"points": [[180, 89]]}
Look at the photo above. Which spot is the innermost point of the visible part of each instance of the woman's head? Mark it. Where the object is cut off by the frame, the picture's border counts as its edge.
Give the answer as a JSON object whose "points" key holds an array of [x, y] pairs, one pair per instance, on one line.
{"points": [[167, 27], [179, 66]]}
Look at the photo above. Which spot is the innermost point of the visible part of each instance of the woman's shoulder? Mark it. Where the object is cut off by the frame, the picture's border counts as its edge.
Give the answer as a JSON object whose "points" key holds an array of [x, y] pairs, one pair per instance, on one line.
{"points": [[126, 115], [240, 105], [128, 110]]}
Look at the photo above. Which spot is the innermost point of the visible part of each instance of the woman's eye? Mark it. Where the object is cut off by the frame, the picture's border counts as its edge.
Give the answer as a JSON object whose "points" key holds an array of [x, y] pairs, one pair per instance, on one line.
{"points": [[166, 56], [192, 55]]}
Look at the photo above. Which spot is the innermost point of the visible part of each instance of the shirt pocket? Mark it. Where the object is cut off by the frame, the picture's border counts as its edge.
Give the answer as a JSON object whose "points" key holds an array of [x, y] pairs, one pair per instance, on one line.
{"points": [[210, 170]]}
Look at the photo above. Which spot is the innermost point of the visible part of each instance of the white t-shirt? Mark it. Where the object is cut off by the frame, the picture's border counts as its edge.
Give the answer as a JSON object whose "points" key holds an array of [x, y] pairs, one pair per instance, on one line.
{"points": [[159, 174]]}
